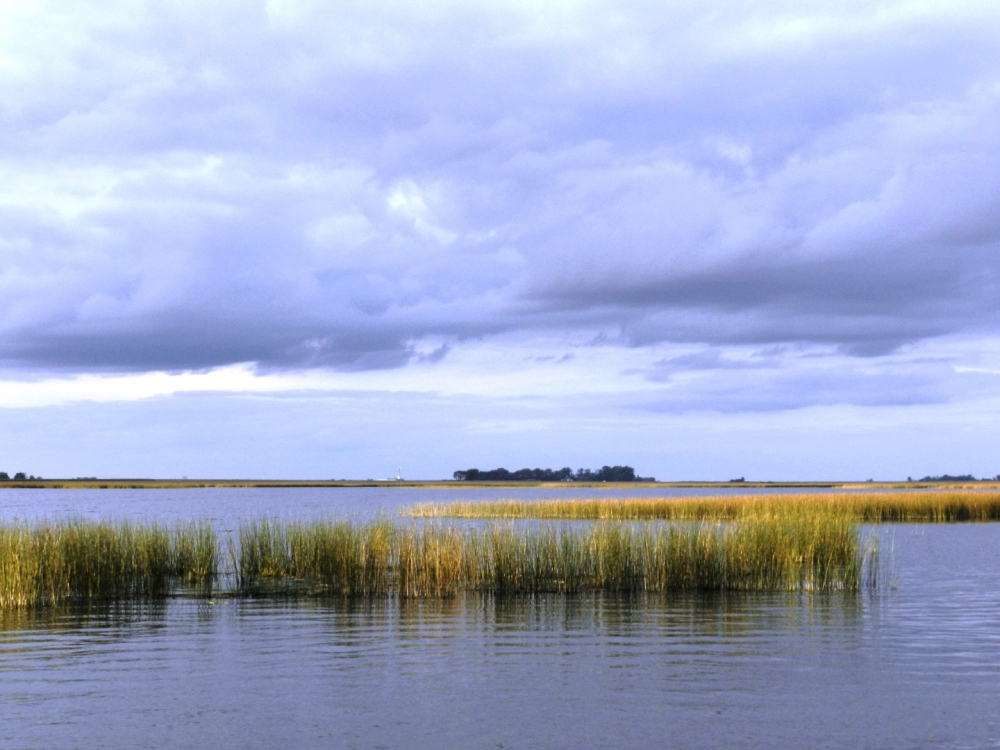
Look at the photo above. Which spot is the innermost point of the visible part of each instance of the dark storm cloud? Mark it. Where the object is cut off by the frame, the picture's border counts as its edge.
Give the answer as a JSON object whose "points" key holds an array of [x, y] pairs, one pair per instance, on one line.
{"points": [[296, 184]]}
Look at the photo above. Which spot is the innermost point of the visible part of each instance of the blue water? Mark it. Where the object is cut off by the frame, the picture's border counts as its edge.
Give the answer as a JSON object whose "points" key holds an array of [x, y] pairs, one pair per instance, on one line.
{"points": [[227, 506], [917, 666]]}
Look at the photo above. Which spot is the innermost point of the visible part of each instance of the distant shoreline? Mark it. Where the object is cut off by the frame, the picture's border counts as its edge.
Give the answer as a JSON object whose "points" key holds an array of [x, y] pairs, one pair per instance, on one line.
{"points": [[139, 484]]}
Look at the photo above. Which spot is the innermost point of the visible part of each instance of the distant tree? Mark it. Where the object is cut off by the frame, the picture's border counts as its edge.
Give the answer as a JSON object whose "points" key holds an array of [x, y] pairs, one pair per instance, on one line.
{"points": [[615, 474], [20, 477], [606, 474], [4, 476]]}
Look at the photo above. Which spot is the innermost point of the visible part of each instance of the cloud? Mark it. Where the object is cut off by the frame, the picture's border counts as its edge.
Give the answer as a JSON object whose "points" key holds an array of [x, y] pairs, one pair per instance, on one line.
{"points": [[361, 435], [298, 185]]}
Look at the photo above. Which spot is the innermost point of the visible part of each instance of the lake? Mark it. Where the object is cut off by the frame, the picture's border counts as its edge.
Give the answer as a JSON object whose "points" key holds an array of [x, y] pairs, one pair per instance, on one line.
{"points": [[917, 666]]}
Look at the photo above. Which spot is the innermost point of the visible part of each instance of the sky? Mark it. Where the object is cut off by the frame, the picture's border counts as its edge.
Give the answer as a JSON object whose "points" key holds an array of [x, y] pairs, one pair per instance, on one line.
{"points": [[296, 239]]}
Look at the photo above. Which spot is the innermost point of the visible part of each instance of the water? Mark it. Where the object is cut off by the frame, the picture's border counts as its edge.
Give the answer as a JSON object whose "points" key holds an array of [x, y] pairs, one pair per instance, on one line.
{"points": [[227, 506], [915, 667]]}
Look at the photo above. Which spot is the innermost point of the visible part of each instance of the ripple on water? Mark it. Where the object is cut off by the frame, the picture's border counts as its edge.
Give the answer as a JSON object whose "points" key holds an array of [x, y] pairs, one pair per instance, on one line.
{"points": [[914, 667]]}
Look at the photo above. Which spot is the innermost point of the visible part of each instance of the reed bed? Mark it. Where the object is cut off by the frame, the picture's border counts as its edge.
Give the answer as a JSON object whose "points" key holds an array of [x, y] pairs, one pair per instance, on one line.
{"points": [[82, 561], [57, 563], [334, 558], [868, 507], [820, 552]]}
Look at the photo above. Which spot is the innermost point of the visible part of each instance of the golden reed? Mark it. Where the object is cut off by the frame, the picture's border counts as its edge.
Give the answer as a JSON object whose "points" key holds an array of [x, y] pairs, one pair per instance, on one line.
{"points": [[763, 554], [82, 561], [56, 563], [863, 507]]}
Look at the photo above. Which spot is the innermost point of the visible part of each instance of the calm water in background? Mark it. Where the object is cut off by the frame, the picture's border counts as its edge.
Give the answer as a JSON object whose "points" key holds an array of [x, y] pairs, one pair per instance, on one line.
{"points": [[227, 506], [915, 667]]}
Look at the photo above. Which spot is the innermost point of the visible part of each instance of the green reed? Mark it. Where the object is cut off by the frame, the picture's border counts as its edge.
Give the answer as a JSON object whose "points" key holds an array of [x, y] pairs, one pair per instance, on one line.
{"points": [[820, 552], [80, 561], [868, 507], [53, 563], [194, 553], [336, 558]]}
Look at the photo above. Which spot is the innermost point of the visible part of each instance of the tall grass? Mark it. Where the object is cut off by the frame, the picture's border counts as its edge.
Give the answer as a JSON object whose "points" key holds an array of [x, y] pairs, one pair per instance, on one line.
{"points": [[194, 553], [54, 563], [337, 558], [820, 552], [82, 561], [874, 507]]}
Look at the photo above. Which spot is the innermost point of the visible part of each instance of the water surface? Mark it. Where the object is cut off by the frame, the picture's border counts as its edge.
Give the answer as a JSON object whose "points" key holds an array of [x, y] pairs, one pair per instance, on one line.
{"points": [[915, 667], [227, 506]]}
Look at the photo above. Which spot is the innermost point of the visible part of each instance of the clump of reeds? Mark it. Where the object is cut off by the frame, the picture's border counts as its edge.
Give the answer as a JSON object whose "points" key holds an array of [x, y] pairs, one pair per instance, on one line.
{"points": [[82, 561], [53, 563], [874, 507], [756, 554], [434, 561], [336, 558], [194, 553]]}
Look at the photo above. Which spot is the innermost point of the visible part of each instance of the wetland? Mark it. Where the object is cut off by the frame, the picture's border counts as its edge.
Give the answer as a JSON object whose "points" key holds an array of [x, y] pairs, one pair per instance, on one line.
{"points": [[912, 664]]}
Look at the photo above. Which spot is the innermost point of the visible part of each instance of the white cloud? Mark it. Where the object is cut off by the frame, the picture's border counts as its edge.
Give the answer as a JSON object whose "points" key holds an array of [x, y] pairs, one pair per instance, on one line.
{"points": [[332, 192]]}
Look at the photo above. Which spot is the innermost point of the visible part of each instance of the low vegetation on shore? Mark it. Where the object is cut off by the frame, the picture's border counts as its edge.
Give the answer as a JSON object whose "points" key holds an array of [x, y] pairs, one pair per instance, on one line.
{"points": [[566, 474], [863, 507]]}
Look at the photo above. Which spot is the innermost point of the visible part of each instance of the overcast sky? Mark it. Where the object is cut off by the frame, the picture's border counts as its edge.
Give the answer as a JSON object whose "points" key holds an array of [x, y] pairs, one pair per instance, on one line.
{"points": [[314, 239]]}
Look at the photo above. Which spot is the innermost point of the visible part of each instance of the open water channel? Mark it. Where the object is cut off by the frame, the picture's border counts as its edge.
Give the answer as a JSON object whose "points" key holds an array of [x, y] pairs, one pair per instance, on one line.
{"points": [[917, 666]]}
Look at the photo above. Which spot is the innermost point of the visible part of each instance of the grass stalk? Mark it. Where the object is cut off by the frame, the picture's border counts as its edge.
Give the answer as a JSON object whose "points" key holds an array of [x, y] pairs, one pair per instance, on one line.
{"points": [[80, 561], [756, 554], [866, 507], [55, 563]]}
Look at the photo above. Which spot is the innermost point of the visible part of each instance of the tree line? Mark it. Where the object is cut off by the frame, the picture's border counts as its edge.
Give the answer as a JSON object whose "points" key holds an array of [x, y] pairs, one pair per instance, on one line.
{"points": [[957, 478], [18, 477], [604, 474]]}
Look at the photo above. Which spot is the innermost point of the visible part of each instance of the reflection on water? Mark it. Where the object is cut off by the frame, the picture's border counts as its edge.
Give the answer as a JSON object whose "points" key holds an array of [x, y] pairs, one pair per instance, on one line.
{"points": [[227, 506], [475, 671], [599, 670], [915, 667]]}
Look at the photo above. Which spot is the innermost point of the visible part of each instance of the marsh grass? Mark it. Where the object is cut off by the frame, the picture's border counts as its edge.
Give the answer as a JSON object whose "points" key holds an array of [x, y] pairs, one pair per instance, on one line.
{"points": [[56, 563], [335, 558], [81, 561], [194, 554], [874, 507], [758, 554]]}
